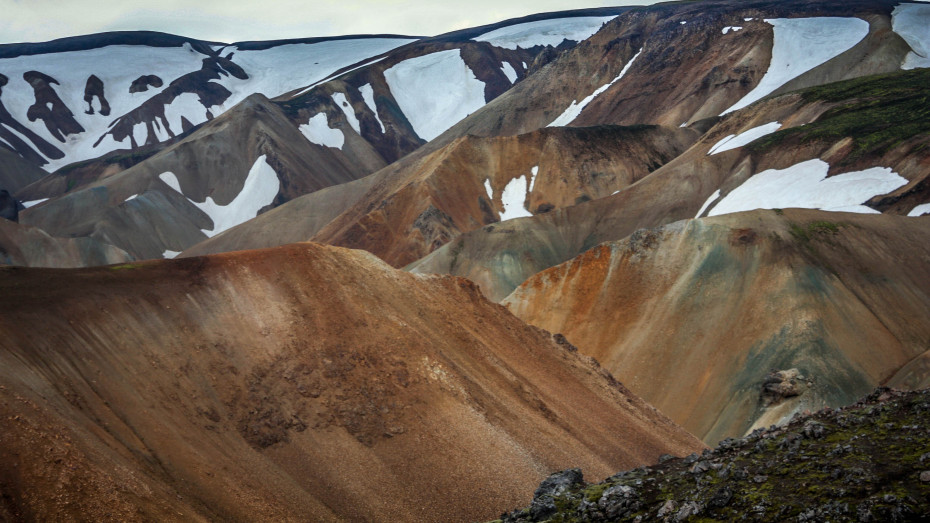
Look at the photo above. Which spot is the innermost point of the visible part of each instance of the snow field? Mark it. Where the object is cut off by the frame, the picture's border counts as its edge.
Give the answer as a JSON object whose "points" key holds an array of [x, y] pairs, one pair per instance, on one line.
{"points": [[800, 45], [805, 185], [734, 141], [343, 103], [259, 189], [534, 171], [509, 71], [318, 131], [912, 22], [513, 198], [710, 200], [569, 115], [435, 91], [368, 95], [920, 210], [544, 32]]}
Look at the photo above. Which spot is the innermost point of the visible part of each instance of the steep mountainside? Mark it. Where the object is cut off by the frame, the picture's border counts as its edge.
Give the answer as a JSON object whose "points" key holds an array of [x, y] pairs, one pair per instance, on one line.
{"points": [[866, 462], [260, 385], [695, 315], [80, 98], [32, 247], [859, 145], [228, 171], [419, 205]]}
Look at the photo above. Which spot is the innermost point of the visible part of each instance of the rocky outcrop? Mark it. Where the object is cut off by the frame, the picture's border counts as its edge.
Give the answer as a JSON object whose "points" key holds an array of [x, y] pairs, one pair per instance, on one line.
{"points": [[866, 462]]}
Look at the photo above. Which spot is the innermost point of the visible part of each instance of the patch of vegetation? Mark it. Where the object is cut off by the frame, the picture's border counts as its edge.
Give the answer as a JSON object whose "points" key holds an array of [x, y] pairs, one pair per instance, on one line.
{"points": [[805, 233], [859, 463], [125, 266], [877, 112]]}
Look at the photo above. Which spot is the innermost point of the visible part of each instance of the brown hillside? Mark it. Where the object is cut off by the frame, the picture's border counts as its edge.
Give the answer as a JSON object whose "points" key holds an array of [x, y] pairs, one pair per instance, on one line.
{"points": [[694, 316], [303, 382]]}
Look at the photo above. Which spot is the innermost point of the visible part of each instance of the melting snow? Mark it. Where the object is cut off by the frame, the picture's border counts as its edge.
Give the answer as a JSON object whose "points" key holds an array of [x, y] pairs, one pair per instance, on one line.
{"points": [[802, 44], [318, 131], [733, 141], [260, 188], [912, 22], [513, 197], [133, 197], [544, 32], [806, 185], [170, 254], [487, 187], [509, 71], [368, 95], [435, 91], [343, 103], [534, 171], [920, 210], [712, 199], [575, 108], [34, 202], [733, 28]]}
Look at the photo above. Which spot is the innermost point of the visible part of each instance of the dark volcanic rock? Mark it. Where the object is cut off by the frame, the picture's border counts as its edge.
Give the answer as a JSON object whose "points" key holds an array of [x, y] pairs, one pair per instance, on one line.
{"points": [[58, 119], [876, 476], [9, 207], [142, 84], [94, 88]]}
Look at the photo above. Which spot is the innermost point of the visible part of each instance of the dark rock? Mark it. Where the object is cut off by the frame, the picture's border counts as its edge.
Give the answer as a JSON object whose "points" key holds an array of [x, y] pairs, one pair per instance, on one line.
{"points": [[557, 484]]}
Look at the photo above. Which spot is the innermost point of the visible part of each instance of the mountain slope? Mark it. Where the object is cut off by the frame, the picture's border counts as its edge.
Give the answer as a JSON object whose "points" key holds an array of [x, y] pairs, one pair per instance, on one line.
{"points": [[858, 145], [258, 386], [694, 315]]}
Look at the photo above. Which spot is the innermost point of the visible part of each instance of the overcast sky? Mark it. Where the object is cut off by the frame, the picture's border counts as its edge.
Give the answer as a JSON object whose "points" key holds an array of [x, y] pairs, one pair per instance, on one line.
{"points": [[236, 20]]}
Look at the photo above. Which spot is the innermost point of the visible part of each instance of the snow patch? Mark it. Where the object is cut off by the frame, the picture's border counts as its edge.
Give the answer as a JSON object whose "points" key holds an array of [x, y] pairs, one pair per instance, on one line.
{"points": [[133, 197], [912, 22], [171, 181], [513, 198], [544, 32], [318, 131], [343, 103], [734, 141], [712, 199], [575, 108], [170, 254], [489, 189], [920, 210], [509, 71], [435, 91], [534, 171], [733, 28], [33, 203], [682, 22], [800, 45], [260, 188], [806, 185], [368, 95]]}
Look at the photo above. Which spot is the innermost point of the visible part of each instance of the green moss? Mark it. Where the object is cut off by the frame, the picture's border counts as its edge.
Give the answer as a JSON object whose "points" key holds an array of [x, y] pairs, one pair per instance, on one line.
{"points": [[877, 112], [804, 233], [125, 266]]}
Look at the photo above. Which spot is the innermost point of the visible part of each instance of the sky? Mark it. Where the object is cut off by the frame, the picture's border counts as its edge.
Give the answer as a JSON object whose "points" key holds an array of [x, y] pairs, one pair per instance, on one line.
{"points": [[236, 20]]}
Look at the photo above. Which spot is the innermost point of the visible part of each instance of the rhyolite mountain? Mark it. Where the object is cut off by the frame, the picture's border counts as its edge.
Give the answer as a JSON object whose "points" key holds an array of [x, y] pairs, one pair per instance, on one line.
{"points": [[260, 385], [717, 202]]}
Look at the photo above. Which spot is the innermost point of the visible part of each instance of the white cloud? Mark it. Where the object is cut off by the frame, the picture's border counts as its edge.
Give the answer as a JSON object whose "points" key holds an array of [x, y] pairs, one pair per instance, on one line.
{"points": [[237, 20]]}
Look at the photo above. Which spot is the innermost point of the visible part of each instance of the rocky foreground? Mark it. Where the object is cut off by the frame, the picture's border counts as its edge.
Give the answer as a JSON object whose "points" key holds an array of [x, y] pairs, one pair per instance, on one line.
{"points": [[866, 462]]}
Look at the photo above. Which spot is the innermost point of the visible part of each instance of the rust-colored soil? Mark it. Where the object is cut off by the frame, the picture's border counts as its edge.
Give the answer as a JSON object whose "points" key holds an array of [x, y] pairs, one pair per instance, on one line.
{"points": [[297, 383]]}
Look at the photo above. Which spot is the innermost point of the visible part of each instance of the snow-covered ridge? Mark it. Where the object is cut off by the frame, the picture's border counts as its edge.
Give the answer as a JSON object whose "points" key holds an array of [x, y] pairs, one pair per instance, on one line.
{"points": [[912, 22], [435, 91], [271, 71], [805, 185], [544, 32], [800, 45]]}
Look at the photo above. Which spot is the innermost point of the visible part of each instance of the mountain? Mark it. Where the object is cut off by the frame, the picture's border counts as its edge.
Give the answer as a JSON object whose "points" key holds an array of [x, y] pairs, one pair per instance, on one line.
{"points": [[694, 315], [259, 385], [858, 145], [862, 462]]}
